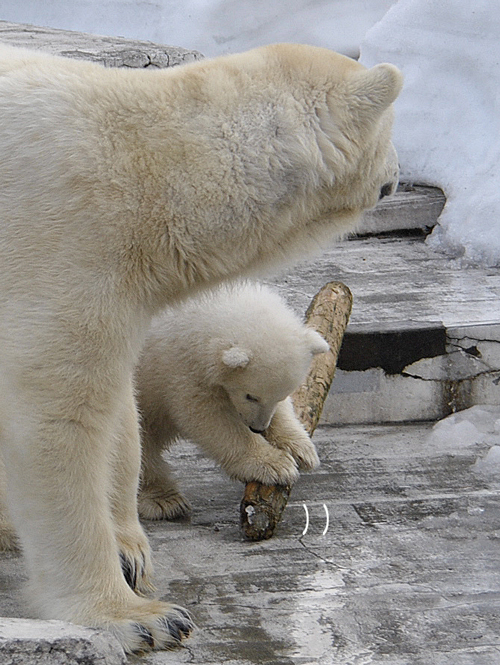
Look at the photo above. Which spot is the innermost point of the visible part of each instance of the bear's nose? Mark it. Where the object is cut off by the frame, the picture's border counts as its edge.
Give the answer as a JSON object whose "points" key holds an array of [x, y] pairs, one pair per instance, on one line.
{"points": [[385, 190]]}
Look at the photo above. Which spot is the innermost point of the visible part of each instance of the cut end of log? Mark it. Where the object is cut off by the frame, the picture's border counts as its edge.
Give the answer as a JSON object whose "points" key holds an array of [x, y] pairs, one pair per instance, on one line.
{"points": [[261, 509]]}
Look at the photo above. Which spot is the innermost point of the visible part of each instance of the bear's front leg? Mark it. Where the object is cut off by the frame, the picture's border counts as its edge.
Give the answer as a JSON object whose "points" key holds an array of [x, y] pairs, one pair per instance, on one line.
{"points": [[59, 447], [287, 432], [132, 542]]}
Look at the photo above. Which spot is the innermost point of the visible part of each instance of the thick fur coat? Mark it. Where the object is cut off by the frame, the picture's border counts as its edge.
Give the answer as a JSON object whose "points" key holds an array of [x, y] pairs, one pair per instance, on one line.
{"points": [[218, 370], [121, 192]]}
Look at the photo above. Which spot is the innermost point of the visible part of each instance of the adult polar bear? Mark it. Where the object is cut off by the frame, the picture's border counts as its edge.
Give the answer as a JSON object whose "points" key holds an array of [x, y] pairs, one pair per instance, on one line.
{"points": [[122, 191]]}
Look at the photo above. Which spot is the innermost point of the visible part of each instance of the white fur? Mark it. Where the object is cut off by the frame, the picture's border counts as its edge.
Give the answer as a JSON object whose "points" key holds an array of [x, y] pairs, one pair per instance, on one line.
{"points": [[212, 370], [120, 192]]}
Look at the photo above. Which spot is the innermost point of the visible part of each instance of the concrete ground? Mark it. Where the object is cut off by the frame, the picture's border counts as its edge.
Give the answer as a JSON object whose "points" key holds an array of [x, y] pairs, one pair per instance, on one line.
{"points": [[407, 573]]}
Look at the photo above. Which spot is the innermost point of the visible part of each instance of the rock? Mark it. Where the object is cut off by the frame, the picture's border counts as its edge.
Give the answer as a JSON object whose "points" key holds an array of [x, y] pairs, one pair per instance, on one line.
{"points": [[27, 642], [110, 51]]}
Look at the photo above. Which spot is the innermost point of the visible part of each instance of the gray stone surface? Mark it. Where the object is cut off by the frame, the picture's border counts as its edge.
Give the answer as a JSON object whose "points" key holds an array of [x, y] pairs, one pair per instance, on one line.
{"points": [[109, 51], [400, 285], [29, 642], [398, 282], [408, 572], [411, 207]]}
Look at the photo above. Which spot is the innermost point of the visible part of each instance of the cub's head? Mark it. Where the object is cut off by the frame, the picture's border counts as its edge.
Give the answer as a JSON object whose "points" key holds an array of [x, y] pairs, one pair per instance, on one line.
{"points": [[256, 379], [263, 355]]}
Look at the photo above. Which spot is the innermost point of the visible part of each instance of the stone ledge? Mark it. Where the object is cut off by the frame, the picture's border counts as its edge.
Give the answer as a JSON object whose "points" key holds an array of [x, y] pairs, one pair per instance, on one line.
{"points": [[31, 642], [411, 208], [109, 51], [414, 373]]}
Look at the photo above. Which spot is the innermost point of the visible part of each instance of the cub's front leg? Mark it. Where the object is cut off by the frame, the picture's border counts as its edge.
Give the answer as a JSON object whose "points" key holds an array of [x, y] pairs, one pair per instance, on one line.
{"points": [[287, 432], [242, 454]]}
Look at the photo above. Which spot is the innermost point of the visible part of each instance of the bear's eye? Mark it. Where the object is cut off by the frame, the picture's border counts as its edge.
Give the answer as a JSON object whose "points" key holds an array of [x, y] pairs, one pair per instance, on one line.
{"points": [[251, 398]]}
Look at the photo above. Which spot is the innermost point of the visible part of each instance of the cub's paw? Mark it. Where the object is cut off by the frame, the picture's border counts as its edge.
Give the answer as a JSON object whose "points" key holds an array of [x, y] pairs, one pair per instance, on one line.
{"points": [[268, 465], [304, 453], [154, 626], [292, 437], [158, 503], [135, 559]]}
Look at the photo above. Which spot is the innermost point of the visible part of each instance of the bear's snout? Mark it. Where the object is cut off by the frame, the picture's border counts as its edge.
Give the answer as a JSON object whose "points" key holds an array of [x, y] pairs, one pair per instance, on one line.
{"points": [[386, 190]]}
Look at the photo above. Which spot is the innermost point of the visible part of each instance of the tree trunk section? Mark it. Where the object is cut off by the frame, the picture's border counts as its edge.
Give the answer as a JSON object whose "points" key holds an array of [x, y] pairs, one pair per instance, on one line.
{"points": [[262, 505]]}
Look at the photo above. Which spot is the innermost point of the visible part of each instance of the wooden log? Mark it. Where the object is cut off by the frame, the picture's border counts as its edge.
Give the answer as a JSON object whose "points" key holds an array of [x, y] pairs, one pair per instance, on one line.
{"points": [[262, 505]]}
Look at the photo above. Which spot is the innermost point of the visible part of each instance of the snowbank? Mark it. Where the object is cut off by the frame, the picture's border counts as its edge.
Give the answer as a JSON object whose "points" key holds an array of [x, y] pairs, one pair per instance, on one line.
{"points": [[447, 129], [210, 26], [477, 428]]}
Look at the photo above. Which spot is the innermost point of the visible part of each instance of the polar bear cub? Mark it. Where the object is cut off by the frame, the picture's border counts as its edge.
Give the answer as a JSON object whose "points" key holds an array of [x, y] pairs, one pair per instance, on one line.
{"points": [[218, 370]]}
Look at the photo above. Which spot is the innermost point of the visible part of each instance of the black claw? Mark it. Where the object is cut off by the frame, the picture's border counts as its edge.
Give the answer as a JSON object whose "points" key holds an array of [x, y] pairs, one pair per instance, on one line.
{"points": [[129, 571], [171, 628], [145, 635], [178, 626]]}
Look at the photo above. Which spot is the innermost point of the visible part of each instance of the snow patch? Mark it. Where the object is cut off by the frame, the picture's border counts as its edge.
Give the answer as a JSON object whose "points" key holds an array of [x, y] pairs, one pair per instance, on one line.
{"points": [[447, 128], [475, 428], [489, 465]]}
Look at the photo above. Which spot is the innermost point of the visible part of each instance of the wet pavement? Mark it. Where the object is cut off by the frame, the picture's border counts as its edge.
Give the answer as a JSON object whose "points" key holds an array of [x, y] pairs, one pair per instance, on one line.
{"points": [[406, 571], [400, 562]]}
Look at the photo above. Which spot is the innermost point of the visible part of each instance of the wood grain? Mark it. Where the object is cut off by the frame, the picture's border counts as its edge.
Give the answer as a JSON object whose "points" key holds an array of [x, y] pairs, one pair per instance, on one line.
{"points": [[262, 505]]}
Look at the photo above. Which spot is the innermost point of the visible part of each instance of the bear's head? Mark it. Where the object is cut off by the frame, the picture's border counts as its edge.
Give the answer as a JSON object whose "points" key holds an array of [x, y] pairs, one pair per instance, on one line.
{"points": [[303, 148], [257, 376], [350, 113]]}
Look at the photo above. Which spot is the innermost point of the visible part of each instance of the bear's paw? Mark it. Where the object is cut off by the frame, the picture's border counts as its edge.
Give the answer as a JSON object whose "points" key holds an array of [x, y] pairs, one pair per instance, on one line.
{"points": [[158, 503], [155, 625]]}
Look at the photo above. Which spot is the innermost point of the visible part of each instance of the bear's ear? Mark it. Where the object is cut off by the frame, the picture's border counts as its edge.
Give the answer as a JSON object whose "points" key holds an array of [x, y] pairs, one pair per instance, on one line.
{"points": [[316, 343], [235, 357], [374, 90]]}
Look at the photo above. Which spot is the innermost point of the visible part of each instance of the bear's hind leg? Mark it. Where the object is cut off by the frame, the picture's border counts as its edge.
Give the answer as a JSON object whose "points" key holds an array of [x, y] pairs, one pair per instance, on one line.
{"points": [[159, 494]]}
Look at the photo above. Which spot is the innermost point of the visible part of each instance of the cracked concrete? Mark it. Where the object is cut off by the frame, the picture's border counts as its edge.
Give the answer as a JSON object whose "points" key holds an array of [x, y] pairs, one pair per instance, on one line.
{"points": [[424, 335], [408, 572]]}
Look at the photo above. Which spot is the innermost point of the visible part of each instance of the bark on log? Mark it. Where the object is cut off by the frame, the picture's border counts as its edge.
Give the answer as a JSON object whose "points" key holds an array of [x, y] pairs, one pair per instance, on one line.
{"points": [[262, 505]]}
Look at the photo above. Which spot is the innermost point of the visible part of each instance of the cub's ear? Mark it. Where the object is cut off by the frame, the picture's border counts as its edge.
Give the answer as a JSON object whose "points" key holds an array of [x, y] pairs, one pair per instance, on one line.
{"points": [[374, 90], [236, 357], [316, 343]]}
